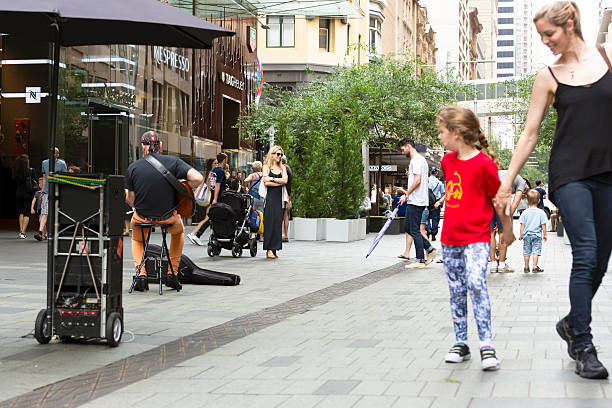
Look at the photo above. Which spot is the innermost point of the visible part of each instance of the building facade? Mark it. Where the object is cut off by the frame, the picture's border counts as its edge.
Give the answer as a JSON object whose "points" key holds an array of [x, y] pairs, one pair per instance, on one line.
{"points": [[476, 51], [294, 49], [487, 16], [110, 94], [507, 38], [450, 20]]}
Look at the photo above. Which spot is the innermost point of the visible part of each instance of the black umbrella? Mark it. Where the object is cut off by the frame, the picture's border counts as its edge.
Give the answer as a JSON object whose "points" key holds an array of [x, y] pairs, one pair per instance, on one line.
{"points": [[93, 22]]}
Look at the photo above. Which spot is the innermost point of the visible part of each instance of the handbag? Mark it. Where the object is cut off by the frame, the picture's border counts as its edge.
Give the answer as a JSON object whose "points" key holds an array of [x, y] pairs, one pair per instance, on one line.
{"points": [[263, 191], [203, 194]]}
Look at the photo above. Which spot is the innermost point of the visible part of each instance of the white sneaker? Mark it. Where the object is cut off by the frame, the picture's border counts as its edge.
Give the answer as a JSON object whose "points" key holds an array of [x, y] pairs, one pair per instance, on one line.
{"points": [[22, 235], [506, 269], [416, 265], [195, 240], [430, 256]]}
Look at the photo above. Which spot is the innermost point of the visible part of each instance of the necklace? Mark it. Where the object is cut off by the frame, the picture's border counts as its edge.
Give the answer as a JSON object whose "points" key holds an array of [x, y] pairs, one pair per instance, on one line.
{"points": [[572, 71]]}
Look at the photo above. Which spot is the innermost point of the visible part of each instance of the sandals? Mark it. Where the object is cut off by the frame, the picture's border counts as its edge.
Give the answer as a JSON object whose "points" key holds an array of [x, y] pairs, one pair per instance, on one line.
{"points": [[407, 258]]}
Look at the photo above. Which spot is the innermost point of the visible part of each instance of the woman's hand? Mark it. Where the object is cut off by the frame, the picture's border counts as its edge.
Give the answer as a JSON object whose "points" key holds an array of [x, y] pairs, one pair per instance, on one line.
{"points": [[503, 200]]}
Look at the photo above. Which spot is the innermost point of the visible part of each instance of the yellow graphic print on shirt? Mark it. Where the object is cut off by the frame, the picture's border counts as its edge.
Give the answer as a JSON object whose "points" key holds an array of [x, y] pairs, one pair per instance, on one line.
{"points": [[453, 191]]}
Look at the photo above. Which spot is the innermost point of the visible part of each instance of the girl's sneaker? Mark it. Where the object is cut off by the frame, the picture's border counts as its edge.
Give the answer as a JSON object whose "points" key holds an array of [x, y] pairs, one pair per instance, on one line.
{"points": [[489, 359], [458, 353]]}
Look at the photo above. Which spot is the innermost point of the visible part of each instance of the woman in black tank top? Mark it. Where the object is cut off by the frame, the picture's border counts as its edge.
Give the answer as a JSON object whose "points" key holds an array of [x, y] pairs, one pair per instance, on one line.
{"points": [[579, 86]]}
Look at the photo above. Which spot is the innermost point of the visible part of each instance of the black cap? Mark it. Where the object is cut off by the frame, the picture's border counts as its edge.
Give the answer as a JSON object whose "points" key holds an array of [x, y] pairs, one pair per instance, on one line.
{"points": [[433, 169]]}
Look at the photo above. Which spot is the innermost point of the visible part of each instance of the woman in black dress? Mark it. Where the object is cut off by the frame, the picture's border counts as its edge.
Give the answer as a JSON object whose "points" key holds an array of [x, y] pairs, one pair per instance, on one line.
{"points": [[274, 178], [24, 193]]}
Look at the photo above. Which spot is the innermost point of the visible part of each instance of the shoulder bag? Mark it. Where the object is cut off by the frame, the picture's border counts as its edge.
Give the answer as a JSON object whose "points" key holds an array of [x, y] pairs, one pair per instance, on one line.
{"points": [[184, 192]]}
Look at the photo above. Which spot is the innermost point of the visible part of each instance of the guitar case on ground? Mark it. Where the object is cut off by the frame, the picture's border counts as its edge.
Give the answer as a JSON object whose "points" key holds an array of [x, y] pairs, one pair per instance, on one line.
{"points": [[190, 273]]}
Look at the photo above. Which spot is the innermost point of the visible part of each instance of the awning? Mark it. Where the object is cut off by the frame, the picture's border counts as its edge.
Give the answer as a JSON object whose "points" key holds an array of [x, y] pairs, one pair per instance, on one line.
{"points": [[250, 8]]}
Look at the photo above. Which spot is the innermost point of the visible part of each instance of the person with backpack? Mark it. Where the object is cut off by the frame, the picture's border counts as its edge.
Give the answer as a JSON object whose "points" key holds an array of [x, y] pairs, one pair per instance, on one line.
{"points": [[253, 181]]}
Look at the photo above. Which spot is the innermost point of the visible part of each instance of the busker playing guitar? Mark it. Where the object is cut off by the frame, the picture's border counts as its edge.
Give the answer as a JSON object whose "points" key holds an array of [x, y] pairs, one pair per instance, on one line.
{"points": [[154, 200]]}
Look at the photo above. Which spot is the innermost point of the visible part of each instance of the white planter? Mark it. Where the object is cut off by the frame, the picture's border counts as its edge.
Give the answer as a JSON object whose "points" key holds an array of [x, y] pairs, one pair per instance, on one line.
{"points": [[309, 229], [345, 230], [291, 229]]}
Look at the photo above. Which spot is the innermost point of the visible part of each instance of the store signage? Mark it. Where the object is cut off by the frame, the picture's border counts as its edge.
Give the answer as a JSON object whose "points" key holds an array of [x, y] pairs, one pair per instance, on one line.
{"points": [[165, 56], [32, 94], [385, 167], [232, 81], [252, 36]]}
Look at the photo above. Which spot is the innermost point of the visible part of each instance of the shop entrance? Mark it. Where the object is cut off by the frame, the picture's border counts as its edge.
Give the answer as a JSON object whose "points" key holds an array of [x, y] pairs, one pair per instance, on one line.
{"points": [[108, 140], [229, 117]]}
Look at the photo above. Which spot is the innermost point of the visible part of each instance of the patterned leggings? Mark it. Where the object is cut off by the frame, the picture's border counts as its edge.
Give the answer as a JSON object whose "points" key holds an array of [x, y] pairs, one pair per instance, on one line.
{"points": [[466, 270]]}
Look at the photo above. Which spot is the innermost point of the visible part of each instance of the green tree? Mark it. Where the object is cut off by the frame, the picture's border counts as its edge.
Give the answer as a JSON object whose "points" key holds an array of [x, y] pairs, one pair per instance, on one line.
{"points": [[322, 126]]}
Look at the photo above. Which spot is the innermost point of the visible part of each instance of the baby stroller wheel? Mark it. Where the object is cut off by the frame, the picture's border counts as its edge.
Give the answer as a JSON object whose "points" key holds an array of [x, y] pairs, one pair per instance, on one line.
{"points": [[236, 251], [253, 247], [210, 250]]}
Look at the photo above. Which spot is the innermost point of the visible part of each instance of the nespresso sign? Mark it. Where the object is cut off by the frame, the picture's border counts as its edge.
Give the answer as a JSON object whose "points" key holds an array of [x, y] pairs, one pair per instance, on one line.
{"points": [[165, 56], [231, 80]]}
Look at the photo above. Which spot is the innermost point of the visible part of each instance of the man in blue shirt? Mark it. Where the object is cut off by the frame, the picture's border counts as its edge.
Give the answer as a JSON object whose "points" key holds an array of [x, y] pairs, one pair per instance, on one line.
{"points": [[540, 189], [438, 190], [60, 165]]}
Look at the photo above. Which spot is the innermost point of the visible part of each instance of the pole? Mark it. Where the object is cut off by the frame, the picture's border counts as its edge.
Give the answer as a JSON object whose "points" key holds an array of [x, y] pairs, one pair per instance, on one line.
{"points": [[51, 217], [193, 94]]}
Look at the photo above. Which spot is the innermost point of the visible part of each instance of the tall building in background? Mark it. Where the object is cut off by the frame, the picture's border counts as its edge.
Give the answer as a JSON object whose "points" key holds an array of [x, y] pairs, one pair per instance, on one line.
{"points": [[605, 21], [507, 38], [487, 15], [524, 38], [450, 20], [400, 28]]}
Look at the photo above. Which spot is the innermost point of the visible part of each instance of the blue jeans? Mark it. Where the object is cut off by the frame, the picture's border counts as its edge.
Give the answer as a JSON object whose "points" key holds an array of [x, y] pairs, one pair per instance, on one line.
{"points": [[412, 226], [434, 222], [585, 208]]}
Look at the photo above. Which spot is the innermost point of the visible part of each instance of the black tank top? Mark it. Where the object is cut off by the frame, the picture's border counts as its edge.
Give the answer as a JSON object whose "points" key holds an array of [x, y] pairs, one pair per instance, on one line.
{"points": [[582, 147]]}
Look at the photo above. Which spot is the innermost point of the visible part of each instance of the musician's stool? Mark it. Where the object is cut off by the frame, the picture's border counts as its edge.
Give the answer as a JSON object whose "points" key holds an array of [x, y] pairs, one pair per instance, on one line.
{"points": [[156, 265]]}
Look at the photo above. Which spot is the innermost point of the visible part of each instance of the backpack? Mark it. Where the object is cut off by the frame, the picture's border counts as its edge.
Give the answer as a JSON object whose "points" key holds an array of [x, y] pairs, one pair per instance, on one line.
{"points": [[432, 200], [254, 220], [254, 188]]}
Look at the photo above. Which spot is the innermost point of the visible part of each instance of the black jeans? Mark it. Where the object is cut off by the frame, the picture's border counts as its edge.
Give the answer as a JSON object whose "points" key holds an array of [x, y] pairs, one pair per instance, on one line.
{"points": [[433, 222], [412, 226], [585, 209]]}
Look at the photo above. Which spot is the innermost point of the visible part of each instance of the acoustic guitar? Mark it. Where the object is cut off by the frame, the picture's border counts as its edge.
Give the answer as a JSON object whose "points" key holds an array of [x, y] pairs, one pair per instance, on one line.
{"points": [[186, 203]]}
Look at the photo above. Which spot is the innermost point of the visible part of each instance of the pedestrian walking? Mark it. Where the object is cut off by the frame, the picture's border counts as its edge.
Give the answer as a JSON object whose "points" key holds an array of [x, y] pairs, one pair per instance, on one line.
{"points": [[274, 178], [36, 202], [215, 177], [499, 249], [437, 188], [60, 165], [417, 196], [579, 85], [26, 187], [533, 231], [471, 183], [287, 205], [542, 193]]}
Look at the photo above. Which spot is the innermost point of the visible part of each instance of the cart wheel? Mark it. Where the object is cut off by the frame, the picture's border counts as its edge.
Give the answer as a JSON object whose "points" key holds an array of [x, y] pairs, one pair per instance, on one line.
{"points": [[236, 251], [253, 247], [217, 251], [210, 250], [42, 329], [114, 329]]}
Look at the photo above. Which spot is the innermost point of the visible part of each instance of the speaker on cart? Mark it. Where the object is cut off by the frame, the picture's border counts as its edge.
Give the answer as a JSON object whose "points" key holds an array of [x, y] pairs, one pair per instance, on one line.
{"points": [[77, 203]]}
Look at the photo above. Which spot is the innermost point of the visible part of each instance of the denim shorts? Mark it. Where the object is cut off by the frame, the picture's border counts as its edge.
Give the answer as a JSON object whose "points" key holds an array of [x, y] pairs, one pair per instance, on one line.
{"points": [[496, 222], [425, 216], [532, 245]]}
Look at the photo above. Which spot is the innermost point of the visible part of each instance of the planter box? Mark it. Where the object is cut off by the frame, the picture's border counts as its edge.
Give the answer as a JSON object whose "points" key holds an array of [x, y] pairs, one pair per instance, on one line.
{"points": [[345, 230], [291, 229], [309, 229]]}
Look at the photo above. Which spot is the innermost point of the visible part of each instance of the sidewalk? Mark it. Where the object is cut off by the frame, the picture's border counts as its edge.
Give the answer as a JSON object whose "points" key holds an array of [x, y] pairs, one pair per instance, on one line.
{"points": [[314, 328]]}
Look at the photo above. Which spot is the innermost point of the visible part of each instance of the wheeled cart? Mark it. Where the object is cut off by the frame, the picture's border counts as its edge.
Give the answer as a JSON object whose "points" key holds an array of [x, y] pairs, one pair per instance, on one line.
{"points": [[84, 299]]}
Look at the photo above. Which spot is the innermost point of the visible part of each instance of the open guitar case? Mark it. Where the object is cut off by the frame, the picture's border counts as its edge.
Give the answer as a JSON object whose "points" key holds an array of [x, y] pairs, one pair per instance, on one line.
{"points": [[190, 273]]}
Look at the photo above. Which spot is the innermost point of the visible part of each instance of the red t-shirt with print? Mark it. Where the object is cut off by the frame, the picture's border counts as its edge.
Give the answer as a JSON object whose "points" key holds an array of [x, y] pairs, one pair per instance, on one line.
{"points": [[470, 186]]}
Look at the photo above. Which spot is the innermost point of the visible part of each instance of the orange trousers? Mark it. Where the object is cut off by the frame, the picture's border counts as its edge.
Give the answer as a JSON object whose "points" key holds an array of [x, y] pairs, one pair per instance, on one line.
{"points": [[177, 239]]}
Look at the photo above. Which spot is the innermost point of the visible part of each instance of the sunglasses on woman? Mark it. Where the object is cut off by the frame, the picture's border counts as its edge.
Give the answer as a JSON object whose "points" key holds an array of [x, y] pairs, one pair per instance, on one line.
{"points": [[279, 153]]}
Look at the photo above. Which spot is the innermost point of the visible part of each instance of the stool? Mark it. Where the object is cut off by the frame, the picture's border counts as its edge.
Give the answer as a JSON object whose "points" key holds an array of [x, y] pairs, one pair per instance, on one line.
{"points": [[155, 264]]}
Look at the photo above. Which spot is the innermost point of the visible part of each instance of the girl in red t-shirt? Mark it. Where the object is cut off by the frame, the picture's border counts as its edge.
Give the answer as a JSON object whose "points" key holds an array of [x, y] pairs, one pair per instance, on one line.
{"points": [[471, 183]]}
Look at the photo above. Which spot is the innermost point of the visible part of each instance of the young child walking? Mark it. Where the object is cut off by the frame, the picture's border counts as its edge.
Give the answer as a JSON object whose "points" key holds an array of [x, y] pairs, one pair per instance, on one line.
{"points": [[533, 231], [471, 183]]}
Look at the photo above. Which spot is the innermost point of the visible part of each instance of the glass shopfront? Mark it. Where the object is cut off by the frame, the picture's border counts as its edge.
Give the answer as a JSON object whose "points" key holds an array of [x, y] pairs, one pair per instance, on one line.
{"points": [[110, 94]]}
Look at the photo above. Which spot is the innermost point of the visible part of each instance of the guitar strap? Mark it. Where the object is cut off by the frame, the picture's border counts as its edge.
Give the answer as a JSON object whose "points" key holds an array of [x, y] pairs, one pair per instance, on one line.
{"points": [[168, 176]]}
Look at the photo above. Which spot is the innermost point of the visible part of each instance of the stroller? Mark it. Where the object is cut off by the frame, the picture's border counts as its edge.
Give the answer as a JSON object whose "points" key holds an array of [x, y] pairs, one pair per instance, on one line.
{"points": [[230, 227]]}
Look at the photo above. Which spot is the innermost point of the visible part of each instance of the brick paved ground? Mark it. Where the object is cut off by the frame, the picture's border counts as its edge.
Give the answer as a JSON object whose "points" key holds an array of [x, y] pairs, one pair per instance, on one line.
{"points": [[372, 341]]}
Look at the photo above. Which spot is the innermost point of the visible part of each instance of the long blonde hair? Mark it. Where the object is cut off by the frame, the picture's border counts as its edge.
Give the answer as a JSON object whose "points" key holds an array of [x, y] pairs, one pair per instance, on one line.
{"points": [[270, 156], [559, 13]]}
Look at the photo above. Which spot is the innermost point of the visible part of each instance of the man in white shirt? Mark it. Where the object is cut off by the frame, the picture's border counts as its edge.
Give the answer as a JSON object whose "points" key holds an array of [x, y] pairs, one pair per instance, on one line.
{"points": [[417, 197]]}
